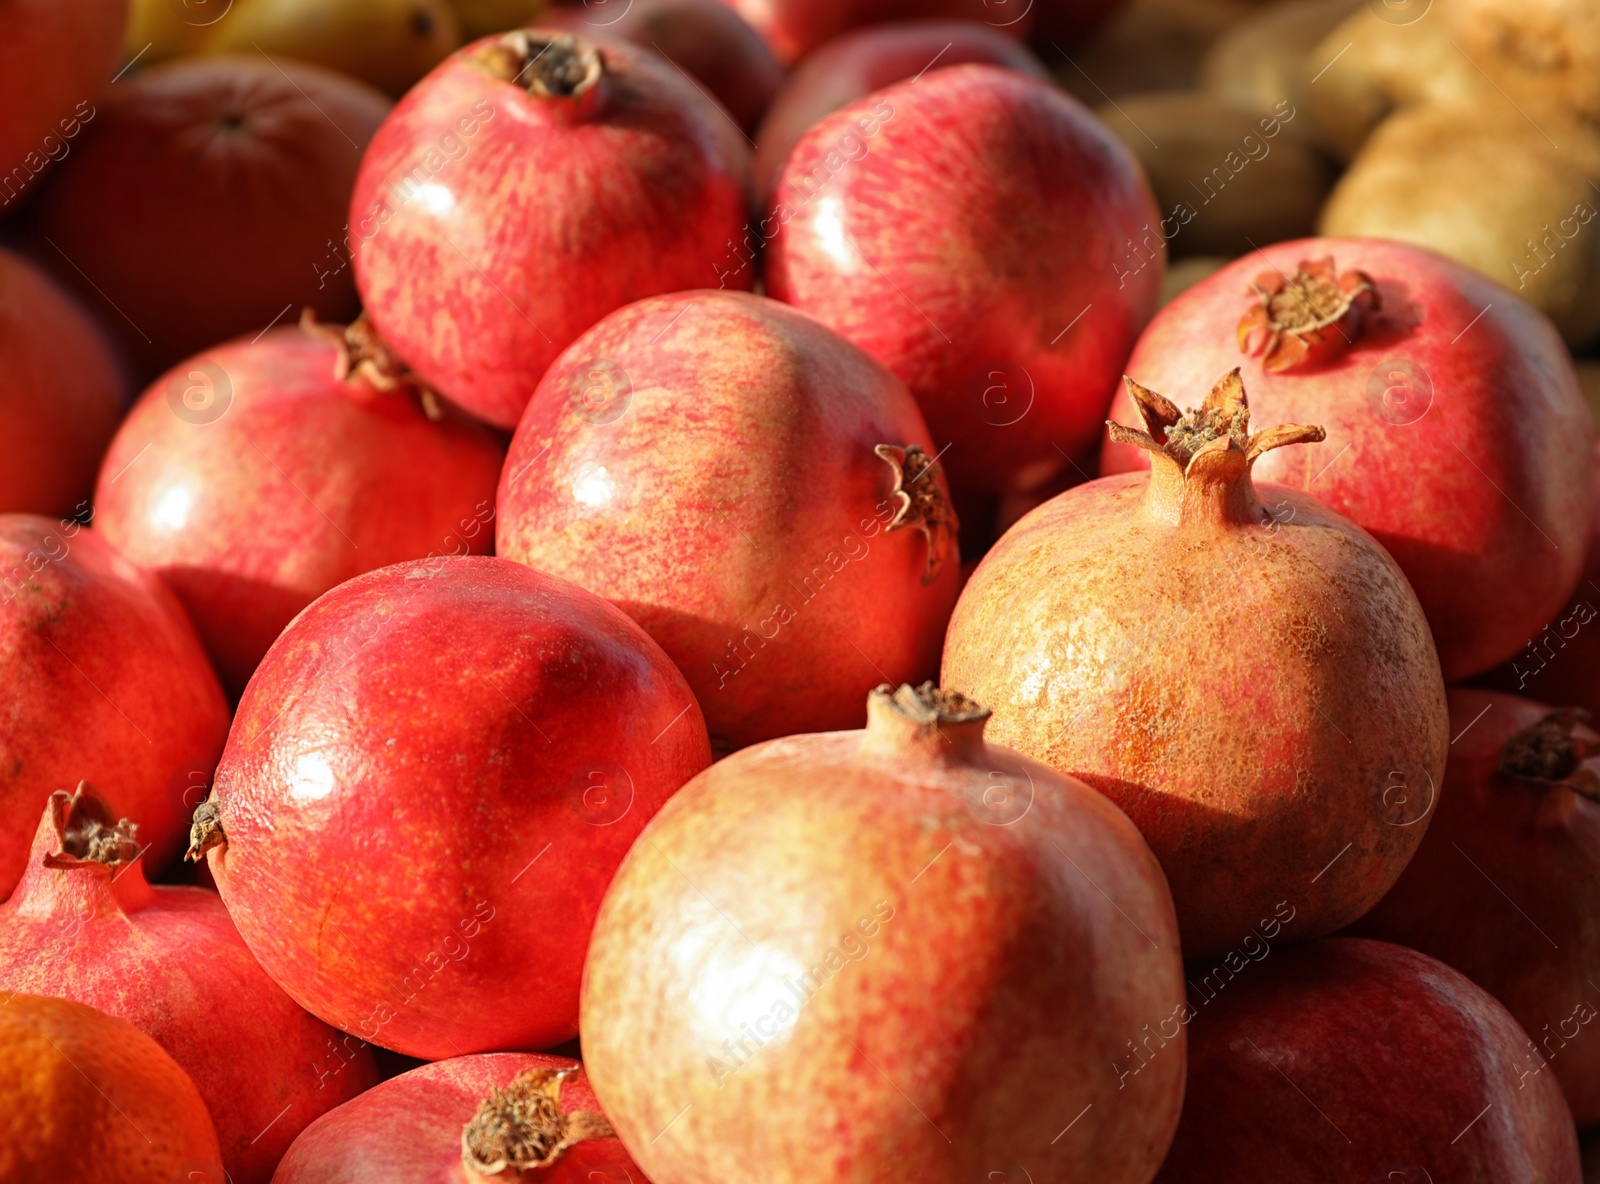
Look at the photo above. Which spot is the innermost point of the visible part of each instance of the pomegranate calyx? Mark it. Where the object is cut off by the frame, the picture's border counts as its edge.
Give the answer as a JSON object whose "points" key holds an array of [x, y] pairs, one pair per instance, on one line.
{"points": [[921, 504], [547, 64], [1547, 755], [945, 726], [521, 1127], [1310, 316], [1191, 440], [205, 832], [929, 704], [364, 356], [87, 834]]}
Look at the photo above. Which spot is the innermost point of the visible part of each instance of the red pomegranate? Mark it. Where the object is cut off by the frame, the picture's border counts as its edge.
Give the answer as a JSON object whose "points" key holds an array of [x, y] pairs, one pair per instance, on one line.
{"points": [[706, 39], [891, 954], [858, 63], [963, 228], [795, 27], [55, 59], [207, 199], [529, 185], [432, 776], [455, 1119], [1243, 670], [1506, 887], [1457, 431], [753, 490], [83, 924], [258, 475], [101, 678], [1345, 1061], [60, 399]]}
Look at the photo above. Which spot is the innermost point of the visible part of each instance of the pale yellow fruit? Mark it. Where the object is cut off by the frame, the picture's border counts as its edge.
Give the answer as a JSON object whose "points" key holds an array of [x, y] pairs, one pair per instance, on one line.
{"points": [[162, 29], [1541, 53], [1149, 45], [479, 18], [388, 43], [1262, 60]]}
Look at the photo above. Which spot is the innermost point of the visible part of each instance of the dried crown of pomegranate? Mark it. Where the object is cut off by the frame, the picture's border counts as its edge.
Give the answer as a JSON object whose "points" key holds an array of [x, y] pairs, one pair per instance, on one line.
{"points": [[522, 1127], [1309, 316], [920, 504], [87, 833], [1548, 755]]}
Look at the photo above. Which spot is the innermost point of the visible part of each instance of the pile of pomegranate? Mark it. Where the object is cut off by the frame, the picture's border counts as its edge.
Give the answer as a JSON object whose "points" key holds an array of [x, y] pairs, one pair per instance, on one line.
{"points": [[809, 591]]}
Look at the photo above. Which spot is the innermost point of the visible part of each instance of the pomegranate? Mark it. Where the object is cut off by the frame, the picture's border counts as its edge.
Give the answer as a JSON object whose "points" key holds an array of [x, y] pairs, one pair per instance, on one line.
{"points": [[55, 60], [1518, 829], [706, 39], [532, 183], [870, 59], [485, 1114], [1243, 670], [258, 475], [1349, 1060], [795, 27], [432, 776], [988, 281], [1457, 432], [101, 677], [207, 199], [758, 986], [61, 397], [753, 490], [83, 924]]}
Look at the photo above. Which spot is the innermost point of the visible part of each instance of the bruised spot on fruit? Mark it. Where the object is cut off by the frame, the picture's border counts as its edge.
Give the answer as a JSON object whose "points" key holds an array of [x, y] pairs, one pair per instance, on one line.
{"points": [[521, 1127], [1547, 755], [921, 503], [1310, 316]]}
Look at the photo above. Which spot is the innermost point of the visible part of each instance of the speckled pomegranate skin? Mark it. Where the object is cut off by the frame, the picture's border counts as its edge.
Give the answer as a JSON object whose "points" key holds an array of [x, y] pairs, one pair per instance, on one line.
{"points": [[795, 27], [1496, 841], [1257, 694], [963, 229], [978, 937], [168, 960], [408, 1130], [1346, 1060], [431, 779], [283, 482], [491, 227], [706, 462], [101, 679], [1457, 432]]}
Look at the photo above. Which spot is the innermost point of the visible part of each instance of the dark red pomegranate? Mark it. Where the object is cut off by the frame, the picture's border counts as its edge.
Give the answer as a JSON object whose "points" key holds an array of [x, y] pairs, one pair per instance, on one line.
{"points": [[432, 776], [259, 474], [529, 185], [705, 39], [963, 229], [860, 62], [453, 1119], [1457, 431], [101, 678], [891, 954], [795, 27], [207, 199], [1506, 887], [753, 490], [83, 924], [1241, 669], [60, 400], [1345, 1061]]}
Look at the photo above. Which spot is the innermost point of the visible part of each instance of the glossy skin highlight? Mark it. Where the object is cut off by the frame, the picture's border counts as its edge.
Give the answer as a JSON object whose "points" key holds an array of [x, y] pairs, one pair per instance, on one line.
{"points": [[795, 27], [432, 777], [101, 679], [963, 229], [881, 956], [706, 461], [168, 960], [1468, 453], [408, 1130], [491, 226], [1397, 1068], [253, 479]]}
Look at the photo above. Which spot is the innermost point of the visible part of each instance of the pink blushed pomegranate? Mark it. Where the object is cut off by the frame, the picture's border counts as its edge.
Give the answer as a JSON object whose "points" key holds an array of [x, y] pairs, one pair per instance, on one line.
{"points": [[528, 186], [432, 776], [964, 229], [795, 27], [101, 679], [524, 1112], [1506, 887], [83, 924], [928, 947], [753, 490], [1241, 669], [1457, 431], [1350, 1060], [259, 474]]}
